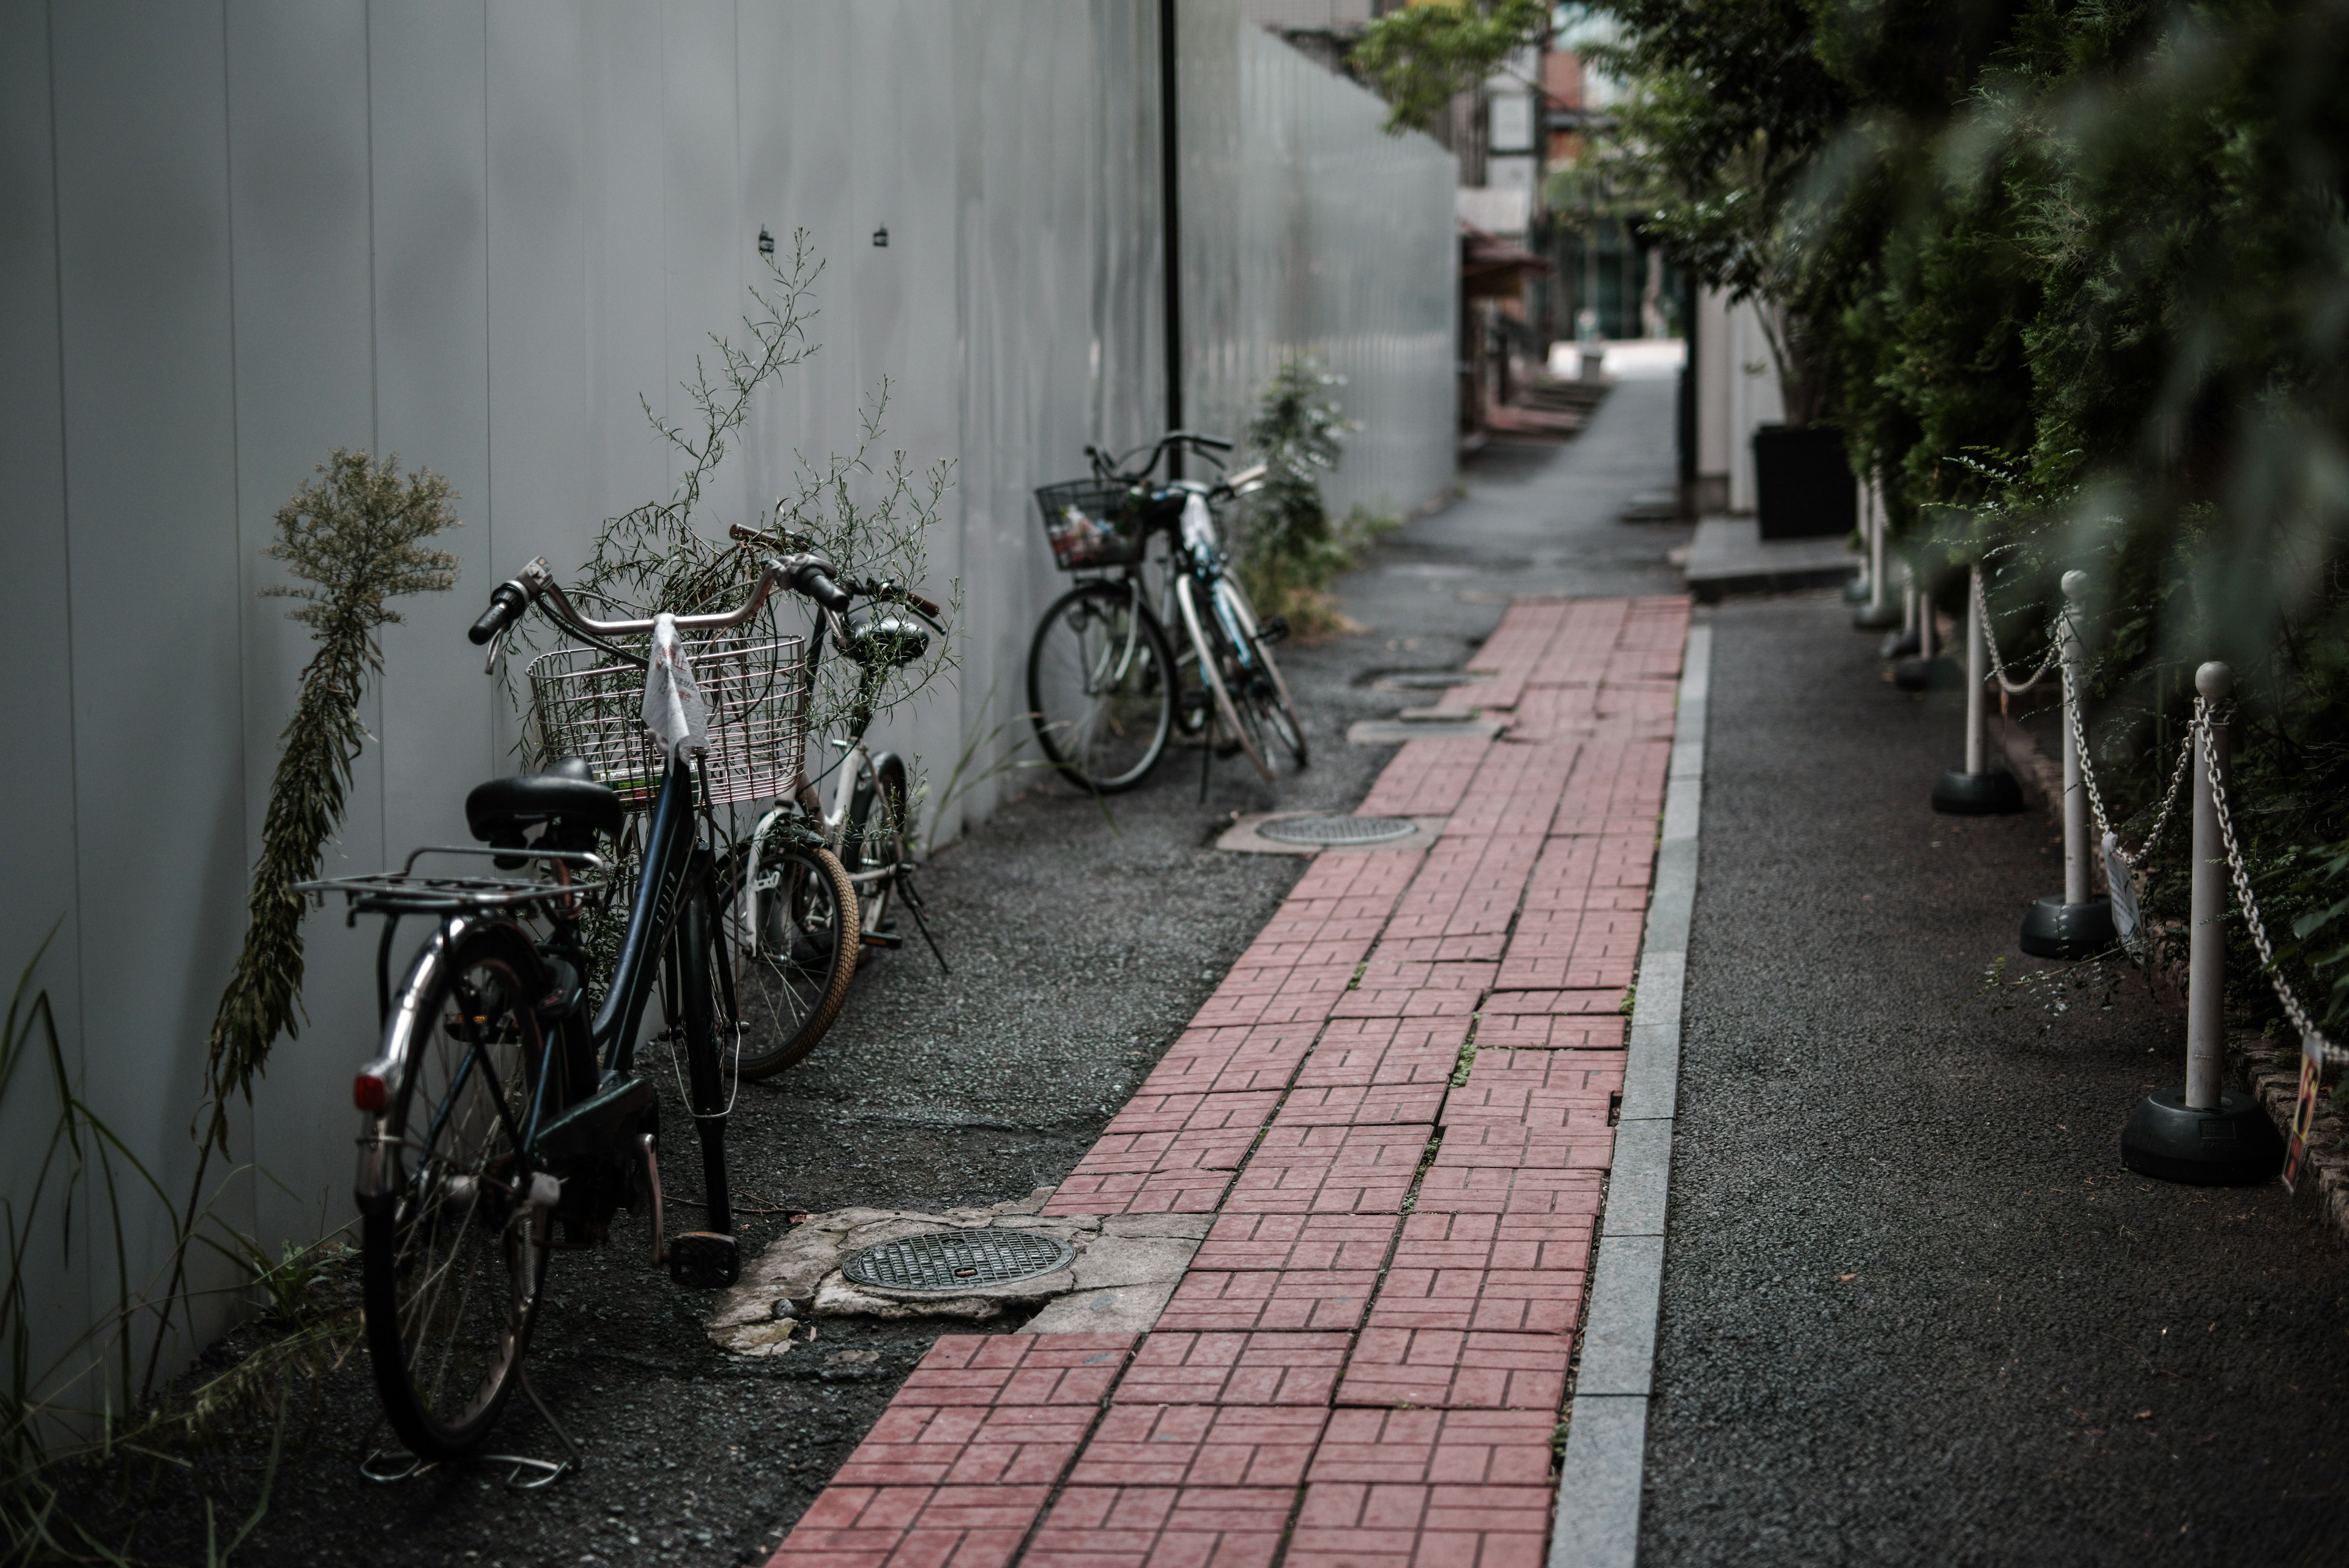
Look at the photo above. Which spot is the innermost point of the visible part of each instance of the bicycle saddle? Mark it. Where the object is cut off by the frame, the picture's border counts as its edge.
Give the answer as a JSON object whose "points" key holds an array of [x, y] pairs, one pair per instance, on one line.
{"points": [[566, 796]]}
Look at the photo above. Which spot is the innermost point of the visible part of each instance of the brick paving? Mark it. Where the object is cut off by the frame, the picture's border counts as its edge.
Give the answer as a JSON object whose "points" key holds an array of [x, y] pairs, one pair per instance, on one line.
{"points": [[1399, 1106]]}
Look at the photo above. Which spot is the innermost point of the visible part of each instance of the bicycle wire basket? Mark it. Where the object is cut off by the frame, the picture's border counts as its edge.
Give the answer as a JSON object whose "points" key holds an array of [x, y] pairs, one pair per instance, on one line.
{"points": [[1093, 524], [754, 683]]}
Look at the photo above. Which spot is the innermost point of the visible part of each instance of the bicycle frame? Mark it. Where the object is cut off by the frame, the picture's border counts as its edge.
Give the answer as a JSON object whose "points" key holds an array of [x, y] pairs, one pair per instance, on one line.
{"points": [[803, 808], [544, 1135]]}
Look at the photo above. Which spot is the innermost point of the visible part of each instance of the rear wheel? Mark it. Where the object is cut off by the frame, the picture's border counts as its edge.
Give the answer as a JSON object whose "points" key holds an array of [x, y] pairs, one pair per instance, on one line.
{"points": [[790, 923], [1101, 686], [452, 1258]]}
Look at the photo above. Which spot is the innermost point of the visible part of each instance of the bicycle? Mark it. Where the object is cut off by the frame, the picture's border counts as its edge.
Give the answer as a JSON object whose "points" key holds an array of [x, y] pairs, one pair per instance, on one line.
{"points": [[1104, 689], [505, 1104], [773, 901]]}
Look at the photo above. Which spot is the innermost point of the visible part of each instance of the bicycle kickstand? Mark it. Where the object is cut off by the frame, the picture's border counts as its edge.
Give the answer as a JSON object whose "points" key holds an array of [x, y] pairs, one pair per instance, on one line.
{"points": [[914, 907]]}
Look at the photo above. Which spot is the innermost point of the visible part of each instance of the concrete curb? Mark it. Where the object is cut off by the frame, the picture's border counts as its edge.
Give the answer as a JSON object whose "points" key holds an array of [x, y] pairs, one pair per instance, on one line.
{"points": [[1606, 1446]]}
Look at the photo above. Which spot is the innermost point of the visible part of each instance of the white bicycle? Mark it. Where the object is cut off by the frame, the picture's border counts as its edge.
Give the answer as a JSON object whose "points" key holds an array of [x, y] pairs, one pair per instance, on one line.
{"points": [[808, 875]]}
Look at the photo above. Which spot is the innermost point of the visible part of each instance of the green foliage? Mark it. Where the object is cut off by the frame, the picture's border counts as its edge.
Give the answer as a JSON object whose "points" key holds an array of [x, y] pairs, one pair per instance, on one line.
{"points": [[1421, 57], [1722, 142], [1291, 550], [869, 510], [353, 536], [2077, 274], [66, 1416]]}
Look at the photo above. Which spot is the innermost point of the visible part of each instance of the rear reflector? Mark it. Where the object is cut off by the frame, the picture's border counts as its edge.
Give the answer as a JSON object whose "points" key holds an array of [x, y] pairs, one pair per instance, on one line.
{"points": [[367, 1092]]}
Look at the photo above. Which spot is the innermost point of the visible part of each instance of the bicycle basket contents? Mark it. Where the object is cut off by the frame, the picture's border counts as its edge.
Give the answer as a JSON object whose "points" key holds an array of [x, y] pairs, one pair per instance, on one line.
{"points": [[1091, 523], [753, 688]]}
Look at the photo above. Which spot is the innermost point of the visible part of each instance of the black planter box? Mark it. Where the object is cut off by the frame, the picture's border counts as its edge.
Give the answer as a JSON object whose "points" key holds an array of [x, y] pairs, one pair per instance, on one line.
{"points": [[1803, 486]]}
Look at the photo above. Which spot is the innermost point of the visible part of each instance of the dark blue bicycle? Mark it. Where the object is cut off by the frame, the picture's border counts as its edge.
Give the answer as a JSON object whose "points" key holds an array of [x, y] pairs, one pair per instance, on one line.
{"points": [[507, 1107]]}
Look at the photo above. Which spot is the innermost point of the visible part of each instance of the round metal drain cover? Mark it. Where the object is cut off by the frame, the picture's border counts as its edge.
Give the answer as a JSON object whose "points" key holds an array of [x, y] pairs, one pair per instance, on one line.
{"points": [[1338, 829], [956, 1260]]}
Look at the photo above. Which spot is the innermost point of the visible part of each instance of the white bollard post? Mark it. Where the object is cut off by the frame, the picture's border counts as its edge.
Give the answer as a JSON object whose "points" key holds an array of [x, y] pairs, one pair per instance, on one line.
{"points": [[2210, 1134], [1926, 629], [1855, 587], [2077, 852], [1877, 614], [2206, 962], [1977, 672], [2078, 925], [1876, 600], [1979, 790]]}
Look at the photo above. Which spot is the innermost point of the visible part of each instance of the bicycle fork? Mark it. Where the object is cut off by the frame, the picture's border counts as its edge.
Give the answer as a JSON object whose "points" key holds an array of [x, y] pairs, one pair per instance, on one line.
{"points": [[708, 1254]]}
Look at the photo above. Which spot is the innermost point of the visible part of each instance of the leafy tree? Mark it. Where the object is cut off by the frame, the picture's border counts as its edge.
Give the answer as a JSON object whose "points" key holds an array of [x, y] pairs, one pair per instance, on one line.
{"points": [[1421, 58]]}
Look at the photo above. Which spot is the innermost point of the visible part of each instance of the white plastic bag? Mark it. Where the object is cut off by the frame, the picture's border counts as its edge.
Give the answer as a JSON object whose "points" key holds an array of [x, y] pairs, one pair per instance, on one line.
{"points": [[673, 706]]}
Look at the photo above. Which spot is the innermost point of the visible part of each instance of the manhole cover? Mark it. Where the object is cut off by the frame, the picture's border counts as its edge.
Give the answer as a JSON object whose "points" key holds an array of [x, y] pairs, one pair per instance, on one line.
{"points": [[1338, 829], [1429, 679], [956, 1260]]}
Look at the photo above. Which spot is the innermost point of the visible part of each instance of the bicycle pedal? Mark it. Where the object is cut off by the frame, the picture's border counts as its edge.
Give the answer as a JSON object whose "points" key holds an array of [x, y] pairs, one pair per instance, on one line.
{"points": [[881, 939], [704, 1258], [1273, 629]]}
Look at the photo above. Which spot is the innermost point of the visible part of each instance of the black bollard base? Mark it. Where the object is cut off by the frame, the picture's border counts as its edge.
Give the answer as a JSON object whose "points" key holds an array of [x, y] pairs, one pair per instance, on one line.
{"points": [[1875, 618], [1992, 794], [2234, 1144], [1935, 674], [2055, 930], [1898, 644]]}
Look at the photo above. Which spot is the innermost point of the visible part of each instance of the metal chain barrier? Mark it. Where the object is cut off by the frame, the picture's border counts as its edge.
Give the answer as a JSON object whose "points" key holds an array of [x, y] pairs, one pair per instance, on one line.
{"points": [[2006, 682], [2095, 797], [2312, 1038]]}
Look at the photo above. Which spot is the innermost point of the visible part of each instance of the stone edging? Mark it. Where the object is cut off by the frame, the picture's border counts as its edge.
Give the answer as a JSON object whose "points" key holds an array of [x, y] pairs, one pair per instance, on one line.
{"points": [[1597, 1517]]}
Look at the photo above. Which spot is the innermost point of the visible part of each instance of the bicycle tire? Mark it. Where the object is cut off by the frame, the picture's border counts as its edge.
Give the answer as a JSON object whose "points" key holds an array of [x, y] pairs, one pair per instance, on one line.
{"points": [[1279, 710], [1141, 704], [1214, 650], [876, 839], [458, 1212], [791, 946]]}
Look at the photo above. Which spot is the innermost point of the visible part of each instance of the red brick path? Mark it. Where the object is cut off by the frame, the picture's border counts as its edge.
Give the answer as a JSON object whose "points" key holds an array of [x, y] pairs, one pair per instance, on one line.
{"points": [[1397, 1106]]}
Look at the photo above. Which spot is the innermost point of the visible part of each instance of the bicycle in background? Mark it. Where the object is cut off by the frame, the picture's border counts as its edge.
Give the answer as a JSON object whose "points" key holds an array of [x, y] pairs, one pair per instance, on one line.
{"points": [[1106, 688]]}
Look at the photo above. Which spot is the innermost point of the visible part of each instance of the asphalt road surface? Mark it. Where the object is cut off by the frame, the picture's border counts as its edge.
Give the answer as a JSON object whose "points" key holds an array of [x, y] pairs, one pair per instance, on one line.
{"points": [[1915, 1311]]}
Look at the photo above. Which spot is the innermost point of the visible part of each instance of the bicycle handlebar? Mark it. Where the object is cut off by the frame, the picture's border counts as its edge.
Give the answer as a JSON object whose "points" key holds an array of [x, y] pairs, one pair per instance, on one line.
{"points": [[1106, 466], [883, 590]]}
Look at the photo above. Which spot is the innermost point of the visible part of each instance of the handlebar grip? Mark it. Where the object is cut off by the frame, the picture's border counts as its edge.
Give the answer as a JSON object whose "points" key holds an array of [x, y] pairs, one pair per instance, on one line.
{"points": [[509, 601], [811, 579], [1214, 443], [928, 607]]}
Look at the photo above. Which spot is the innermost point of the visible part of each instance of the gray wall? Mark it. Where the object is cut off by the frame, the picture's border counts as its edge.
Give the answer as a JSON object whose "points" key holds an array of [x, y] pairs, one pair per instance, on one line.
{"points": [[1307, 231], [473, 231]]}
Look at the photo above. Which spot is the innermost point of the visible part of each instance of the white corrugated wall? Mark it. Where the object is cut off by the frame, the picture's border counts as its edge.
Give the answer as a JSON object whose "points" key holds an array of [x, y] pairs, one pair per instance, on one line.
{"points": [[235, 235]]}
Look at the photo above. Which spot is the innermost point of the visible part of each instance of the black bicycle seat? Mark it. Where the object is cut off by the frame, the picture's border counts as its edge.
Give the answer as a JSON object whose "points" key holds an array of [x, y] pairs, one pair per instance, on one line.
{"points": [[566, 796]]}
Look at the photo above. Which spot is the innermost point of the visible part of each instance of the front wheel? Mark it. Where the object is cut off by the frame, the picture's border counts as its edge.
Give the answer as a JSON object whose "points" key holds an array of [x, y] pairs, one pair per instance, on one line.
{"points": [[1101, 686], [790, 928], [453, 1252], [1268, 690], [1223, 666], [878, 843]]}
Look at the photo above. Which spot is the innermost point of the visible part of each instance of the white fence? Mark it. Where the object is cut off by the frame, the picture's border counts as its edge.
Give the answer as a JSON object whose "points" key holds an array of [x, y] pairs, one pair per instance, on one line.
{"points": [[235, 235]]}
